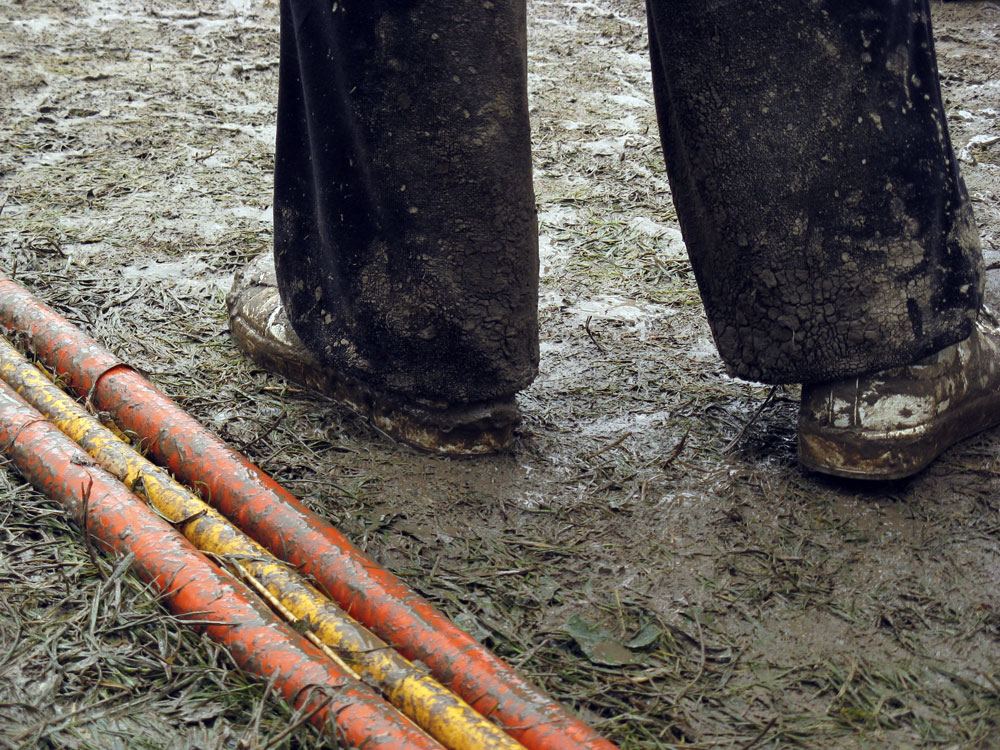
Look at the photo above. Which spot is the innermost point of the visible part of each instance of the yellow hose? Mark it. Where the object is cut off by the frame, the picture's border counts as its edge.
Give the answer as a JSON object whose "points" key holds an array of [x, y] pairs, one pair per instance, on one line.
{"points": [[441, 713]]}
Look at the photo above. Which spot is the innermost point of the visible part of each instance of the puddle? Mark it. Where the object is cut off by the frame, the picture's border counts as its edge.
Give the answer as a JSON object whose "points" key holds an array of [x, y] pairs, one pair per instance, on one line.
{"points": [[626, 100], [674, 246], [630, 124], [611, 307], [35, 25], [634, 422], [605, 146], [551, 257], [249, 212], [703, 350], [180, 274]]}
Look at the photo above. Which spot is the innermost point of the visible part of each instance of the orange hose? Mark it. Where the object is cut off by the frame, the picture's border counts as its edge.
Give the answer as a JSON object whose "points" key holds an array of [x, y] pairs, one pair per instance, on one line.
{"points": [[270, 514], [431, 706], [195, 588]]}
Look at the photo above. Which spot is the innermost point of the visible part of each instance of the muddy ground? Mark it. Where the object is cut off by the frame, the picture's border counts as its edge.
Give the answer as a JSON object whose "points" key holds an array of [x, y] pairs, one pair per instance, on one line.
{"points": [[649, 553]]}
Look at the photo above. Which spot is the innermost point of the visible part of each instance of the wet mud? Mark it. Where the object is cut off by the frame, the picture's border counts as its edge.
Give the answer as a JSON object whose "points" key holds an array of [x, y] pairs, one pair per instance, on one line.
{"points": [[650, 552]]}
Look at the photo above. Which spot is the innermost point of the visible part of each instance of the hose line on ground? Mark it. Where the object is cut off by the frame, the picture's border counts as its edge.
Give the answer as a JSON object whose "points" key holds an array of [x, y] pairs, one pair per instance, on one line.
{"points": [[271, 515], [196, 589], [441, 713]]}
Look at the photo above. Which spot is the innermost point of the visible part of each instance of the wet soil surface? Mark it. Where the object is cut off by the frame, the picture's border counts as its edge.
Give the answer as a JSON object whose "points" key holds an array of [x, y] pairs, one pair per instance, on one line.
{"points": [[650, 552]]}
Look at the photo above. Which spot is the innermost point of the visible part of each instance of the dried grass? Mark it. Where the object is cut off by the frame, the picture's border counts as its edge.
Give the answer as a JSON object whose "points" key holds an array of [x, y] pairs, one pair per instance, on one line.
{"points": [[765, 607]]}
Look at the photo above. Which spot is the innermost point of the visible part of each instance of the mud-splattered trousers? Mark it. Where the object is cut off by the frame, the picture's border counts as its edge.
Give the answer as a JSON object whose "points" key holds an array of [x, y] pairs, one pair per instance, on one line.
{"points": [[808, 156]]}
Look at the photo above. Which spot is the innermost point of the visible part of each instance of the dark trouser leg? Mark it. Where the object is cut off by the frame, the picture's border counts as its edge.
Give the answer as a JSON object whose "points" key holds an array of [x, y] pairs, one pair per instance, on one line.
{"points": [[809, 161], [405, 231]]}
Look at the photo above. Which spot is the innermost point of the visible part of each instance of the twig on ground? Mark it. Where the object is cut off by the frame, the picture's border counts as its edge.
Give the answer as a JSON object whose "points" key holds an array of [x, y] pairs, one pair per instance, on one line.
{"points": [[586, 327], [608, 447], [760, 735], [760, 409]]}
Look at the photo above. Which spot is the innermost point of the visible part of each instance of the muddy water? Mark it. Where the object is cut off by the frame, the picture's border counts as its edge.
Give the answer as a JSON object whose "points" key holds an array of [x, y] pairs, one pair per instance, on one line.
{"points": [[135, 177]]}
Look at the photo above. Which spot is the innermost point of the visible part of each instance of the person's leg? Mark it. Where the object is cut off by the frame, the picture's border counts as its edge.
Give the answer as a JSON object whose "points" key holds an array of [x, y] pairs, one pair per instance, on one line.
{"points": [[827, 223], [405, 229]]}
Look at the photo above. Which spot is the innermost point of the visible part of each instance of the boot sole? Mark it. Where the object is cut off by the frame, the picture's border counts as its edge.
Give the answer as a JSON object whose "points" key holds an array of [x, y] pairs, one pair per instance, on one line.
{"points": [[474, 430]]}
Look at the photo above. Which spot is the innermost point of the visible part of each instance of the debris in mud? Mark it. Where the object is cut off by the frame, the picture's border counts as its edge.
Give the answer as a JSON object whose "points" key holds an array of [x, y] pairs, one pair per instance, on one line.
{"points": [[763, 607]]}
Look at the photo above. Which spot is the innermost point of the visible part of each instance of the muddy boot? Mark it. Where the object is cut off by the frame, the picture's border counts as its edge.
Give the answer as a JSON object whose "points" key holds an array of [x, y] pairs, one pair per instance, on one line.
{"points": [[893, 423], [262, 331]]}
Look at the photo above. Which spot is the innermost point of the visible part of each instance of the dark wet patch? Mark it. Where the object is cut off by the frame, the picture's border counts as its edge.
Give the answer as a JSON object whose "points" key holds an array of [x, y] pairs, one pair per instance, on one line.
{"points": [[789, 609]]}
